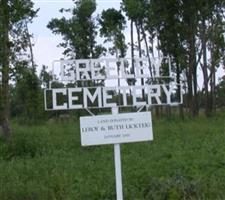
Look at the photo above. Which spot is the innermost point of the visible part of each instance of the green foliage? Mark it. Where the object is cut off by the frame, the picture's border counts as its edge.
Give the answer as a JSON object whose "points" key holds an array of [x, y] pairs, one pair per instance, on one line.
{"points": [[21, 9], [220, 93], [14, 41], [192, 34], [112, 23], [135, 10], [27, 98], [21, 12], [45, 77], [185, 161], [79, 31]]}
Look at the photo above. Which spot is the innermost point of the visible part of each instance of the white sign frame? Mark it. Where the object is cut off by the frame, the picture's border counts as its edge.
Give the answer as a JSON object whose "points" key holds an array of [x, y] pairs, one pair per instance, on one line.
{"points": [[116, 129], [89, 69], [153, 95]]}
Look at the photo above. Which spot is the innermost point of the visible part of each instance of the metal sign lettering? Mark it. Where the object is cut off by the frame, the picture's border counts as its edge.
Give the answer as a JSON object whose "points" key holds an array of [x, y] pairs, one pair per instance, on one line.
{"points": [[109, 68], [84, 72], [104, 97]]}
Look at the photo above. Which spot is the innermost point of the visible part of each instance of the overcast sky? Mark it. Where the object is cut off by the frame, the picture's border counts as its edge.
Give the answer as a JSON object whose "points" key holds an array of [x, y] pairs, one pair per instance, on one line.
{"points": [[45, 49]]}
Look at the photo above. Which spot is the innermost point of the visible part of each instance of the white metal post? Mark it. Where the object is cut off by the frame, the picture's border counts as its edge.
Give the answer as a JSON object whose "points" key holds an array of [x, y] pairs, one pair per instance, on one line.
{"points": [[117, 160]]}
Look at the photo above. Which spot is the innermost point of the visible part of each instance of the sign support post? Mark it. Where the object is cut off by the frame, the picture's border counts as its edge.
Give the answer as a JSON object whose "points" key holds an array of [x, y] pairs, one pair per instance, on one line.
{"points": [[119, 187], [117, 160], [116, 128]]}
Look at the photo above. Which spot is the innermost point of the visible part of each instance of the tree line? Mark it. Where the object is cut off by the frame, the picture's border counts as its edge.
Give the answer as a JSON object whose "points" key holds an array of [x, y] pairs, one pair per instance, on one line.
{"points": [[190, 33]]}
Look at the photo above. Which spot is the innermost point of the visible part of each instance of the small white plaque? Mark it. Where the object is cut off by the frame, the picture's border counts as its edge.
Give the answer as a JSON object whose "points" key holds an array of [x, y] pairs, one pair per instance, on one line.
{"points": [[116, 128]]}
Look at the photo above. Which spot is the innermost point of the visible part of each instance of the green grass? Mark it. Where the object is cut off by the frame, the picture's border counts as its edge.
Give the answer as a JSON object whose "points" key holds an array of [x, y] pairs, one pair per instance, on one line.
{"points": [[186, 160]]}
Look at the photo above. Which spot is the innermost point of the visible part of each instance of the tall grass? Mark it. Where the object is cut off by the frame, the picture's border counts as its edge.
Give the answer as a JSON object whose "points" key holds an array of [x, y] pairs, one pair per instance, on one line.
{"points": [[186, 160]]}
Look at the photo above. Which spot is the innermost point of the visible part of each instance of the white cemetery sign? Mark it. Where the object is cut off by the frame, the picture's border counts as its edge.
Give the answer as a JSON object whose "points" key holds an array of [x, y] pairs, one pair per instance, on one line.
{"points": [[83, 72], [90, 77]]}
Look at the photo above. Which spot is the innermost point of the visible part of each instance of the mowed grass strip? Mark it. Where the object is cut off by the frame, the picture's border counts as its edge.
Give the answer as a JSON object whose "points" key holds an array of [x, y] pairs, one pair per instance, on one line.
{"points": [[186, 160]]}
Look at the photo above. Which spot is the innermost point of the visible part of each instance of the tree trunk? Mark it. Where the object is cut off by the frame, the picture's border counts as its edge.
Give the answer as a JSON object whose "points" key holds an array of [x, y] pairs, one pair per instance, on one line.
{"points": [[140, 55], [213, 88], [31, 48], [159, 109], [118, 81], [192, 77], [212, 79], [190, 90], [132, 81], [5, 71], [204, 70], [1, 104], [195, 80], [132, 45], [147, 51], [181, 112]]}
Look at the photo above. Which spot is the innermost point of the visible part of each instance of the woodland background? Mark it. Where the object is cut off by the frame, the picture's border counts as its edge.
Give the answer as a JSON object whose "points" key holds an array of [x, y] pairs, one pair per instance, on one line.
{"points": [[190, 33]]}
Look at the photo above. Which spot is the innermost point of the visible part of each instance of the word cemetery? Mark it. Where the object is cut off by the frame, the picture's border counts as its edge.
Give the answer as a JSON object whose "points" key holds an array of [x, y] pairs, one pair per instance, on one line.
{"points": [[102, 97], [80, 71]]}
